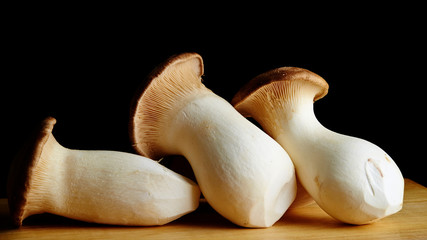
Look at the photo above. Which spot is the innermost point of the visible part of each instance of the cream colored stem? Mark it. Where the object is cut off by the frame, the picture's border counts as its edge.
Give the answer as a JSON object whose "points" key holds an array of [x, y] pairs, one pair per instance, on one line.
{"points": [[243, 173], [350, 178], [109, 187]]}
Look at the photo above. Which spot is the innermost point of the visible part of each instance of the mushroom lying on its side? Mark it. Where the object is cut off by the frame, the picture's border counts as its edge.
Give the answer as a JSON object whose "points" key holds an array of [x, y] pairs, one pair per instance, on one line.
{"points": [[106, 187], [243, 173], [351, 179]]}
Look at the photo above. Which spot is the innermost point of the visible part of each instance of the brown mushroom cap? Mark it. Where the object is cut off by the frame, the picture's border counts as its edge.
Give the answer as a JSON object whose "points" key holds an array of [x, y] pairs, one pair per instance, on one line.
{"points": [[284, 74], [162, 93], [22, 171]]}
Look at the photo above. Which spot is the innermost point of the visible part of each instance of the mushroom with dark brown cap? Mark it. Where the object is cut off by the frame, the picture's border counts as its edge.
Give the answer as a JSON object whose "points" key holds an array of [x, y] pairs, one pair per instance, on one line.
{"points": [[106, 187], [351, 179], [243, 173]]}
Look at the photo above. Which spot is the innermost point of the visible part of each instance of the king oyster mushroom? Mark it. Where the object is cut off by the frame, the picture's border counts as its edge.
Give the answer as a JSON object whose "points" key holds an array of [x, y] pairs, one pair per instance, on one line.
{"points": [[351, 179], [243, 173], [107, 187]]}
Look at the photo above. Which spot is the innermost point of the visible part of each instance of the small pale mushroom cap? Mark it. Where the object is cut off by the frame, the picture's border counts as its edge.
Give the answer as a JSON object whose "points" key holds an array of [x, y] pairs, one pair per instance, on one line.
{"points": [[22, 172], [276, 78]]}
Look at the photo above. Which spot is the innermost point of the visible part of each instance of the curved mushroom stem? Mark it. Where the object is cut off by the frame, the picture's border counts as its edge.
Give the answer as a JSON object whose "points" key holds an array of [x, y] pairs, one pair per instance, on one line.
{"points": [[242, 172], [104, 187], [353, 180], [363, 183]]}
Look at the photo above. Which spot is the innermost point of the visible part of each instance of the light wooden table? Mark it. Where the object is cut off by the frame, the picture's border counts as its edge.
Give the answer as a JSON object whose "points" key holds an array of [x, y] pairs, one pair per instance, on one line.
{"points": [[308, 222]]}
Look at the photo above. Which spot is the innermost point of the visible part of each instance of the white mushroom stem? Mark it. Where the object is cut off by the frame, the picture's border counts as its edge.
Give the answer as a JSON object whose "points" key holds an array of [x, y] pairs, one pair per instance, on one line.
{"points": [[361, 184], [242, 172], [352, 179], [105, 187]]}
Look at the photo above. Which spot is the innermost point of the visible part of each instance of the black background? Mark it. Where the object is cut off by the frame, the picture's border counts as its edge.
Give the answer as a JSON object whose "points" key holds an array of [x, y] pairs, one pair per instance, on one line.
{"points": [[83, 66]]}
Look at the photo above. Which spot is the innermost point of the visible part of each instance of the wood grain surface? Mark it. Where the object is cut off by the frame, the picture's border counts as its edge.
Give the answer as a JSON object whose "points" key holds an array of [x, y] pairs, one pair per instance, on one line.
{"points": [[308, 222]]}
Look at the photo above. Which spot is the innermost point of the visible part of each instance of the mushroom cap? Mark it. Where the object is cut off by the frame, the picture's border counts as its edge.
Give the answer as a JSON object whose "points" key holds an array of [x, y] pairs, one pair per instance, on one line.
{"points": [[159, 70], [23, 169], [283, 74], [164, 88]]}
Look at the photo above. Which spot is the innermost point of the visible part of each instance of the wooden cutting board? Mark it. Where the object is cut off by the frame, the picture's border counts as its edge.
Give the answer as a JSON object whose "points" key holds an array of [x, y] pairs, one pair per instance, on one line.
{"points": [[308, 222]]}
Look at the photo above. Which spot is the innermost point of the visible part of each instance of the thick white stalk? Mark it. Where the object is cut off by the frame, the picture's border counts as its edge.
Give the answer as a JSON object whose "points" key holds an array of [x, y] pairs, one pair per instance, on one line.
{"points": [[352, 179], [243, 173]]}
